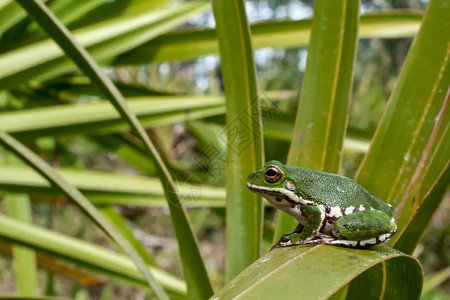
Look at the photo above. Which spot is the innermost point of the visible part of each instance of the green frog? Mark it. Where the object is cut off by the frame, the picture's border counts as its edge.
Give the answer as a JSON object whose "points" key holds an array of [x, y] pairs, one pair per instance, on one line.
{"points": [[331, 209]]}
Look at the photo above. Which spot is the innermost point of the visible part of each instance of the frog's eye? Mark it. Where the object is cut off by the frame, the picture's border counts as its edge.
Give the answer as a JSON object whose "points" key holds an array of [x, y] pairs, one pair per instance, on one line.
{"points": [[289, 185], [272, 174]]}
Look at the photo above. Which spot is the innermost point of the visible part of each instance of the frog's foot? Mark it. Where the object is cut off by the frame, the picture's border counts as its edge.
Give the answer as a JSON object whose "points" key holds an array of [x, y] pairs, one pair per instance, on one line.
{"points": [[285, 241], [294, 238]]}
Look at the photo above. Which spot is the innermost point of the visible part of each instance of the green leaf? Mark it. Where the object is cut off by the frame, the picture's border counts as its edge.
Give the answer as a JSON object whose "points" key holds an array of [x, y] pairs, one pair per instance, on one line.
{"points": [[107, 188], [325, 95], [101, 117], [408, 239], [398, 278], [79, 200], [104, 40], [122, 226], [244, 135], [354, 140], [317, 272], [63, 269], [67, 12], [411, 122], [24, 258], [84, 254], [10, 14], [190, 44], [438, 152], [197, 279]]}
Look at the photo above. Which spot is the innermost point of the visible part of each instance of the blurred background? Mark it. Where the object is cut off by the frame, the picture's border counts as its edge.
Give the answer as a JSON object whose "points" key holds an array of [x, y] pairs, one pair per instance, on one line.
{"points": [[184, 144]]}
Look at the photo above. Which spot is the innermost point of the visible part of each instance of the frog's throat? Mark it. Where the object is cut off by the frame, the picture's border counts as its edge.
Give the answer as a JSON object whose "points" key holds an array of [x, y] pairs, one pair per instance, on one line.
{"points": [[290, 194]]}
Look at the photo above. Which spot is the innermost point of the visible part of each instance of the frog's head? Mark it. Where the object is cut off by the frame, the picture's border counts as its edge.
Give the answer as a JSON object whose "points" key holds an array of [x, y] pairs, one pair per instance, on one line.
{"points": [[275, 183]]}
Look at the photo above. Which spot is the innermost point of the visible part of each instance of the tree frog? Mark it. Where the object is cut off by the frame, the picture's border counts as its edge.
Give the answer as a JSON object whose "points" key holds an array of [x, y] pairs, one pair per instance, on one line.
{"points": [[331, 209]]}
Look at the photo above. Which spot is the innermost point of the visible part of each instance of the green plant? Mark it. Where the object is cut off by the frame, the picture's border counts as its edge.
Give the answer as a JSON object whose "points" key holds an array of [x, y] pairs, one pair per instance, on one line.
{"points": [[406, 164]]}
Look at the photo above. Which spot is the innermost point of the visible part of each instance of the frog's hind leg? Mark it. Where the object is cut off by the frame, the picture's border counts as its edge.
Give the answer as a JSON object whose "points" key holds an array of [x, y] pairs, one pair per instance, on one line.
{"points": [[363, 228]]}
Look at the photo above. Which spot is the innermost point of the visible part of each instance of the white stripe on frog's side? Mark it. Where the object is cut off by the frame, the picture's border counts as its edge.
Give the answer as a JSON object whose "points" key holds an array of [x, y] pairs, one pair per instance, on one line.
{"points": [[335, 211], [368, 242], [384, 237], [338, 242], [349, 210], [291, 195]]}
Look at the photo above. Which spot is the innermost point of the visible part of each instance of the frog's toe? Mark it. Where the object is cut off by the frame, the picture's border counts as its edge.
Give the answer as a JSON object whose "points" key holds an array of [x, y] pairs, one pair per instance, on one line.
{"points": [[277, 245], [284, 241]]}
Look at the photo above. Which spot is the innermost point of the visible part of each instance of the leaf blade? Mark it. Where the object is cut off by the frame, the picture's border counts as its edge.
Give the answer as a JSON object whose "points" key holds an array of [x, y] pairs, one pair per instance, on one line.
{"points": [[408, 239], [334, 265], [24, 259], [245, 149], [399, 145]]}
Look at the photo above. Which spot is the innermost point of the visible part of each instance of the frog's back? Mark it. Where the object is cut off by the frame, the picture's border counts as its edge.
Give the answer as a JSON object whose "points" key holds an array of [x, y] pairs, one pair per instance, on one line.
{"points": [[336, 191]]}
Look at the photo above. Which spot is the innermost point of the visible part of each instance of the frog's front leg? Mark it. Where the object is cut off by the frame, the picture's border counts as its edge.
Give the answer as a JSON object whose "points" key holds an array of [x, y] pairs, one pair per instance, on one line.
{"points": [[285, 236], [315, 216]]}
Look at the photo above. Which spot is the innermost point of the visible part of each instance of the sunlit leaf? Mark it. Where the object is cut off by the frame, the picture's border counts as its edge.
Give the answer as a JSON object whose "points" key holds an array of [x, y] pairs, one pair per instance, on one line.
{"points": [[104, 40], [107, 188], [244, 135], [300, 270], [101, 117]]}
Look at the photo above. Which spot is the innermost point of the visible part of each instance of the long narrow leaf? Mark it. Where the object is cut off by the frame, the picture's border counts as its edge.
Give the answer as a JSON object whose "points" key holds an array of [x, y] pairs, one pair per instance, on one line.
{"points": [[189, 44], [121, 225], [79, 200], [101, 117], [438, 148], [49, 263], [107, 39], [399, 147], [10, 14], [322, 113], [244, 135], [83, 254], [24, 258], [106, 188], [193, 265], [408, 239]]}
